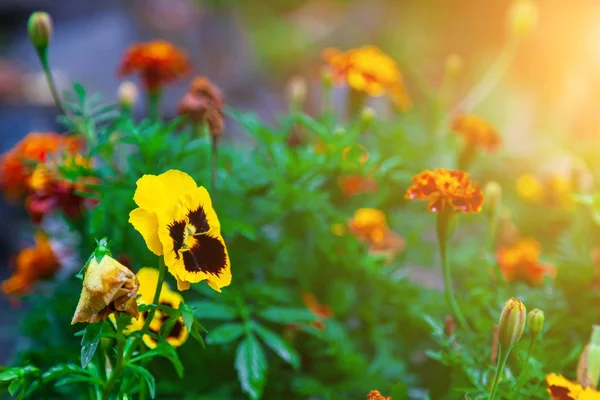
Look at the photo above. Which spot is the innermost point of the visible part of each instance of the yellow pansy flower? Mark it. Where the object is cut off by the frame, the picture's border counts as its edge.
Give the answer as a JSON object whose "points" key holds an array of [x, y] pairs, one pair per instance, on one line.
{"points": [[176, 219]]}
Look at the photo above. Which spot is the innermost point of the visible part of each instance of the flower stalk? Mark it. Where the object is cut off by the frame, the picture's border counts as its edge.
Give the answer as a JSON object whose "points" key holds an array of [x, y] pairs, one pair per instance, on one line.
{"points": [[442, 228]]}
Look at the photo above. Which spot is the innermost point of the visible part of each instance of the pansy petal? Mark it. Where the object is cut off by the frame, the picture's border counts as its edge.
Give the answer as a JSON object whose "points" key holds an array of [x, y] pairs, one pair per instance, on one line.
{"points": [[155, 192], [146, 223]]}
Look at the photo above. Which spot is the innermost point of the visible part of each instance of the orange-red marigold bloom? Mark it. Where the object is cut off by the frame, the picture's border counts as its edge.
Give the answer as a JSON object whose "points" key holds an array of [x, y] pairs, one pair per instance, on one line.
{"points": [[476, 132], [31, 265], [320, 311], [521, 261], [157, 62], [369, 70], [352, 185], [376, 395], [446, 188]]}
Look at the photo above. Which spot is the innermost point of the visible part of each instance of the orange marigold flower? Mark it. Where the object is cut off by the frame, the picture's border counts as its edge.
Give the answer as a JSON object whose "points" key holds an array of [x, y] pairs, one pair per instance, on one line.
{"points": [[32, 264], [560, 388], [320, 311], [370, 226], [376, 395], [369, 70], [15, 165], [352, 185], [520, 261], [157, 62], [476, 132], [446, 188]]}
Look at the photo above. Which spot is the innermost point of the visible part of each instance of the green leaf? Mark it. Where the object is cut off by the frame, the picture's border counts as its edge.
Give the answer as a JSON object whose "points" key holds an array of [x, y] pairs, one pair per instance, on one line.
{"points": [[15, 386], [63, 369], [195, 332], [147, 377], [210, 310], [282, 315], [164, 350], [187, 315], [278, 345], [11, 374], [79, 91], [251, 365], [225, 333], [89, 342]]}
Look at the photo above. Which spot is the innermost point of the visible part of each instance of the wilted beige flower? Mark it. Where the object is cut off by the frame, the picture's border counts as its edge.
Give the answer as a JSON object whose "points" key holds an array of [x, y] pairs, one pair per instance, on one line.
{"points": [[108, 286]]}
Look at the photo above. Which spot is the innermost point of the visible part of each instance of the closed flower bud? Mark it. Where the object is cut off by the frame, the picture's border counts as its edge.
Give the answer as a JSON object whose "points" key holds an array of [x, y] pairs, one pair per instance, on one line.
{"points": [[367, 115], [297, 91], [453, 65], [522, 18], [39, 28], [593, 357], [493, 197], [536, 321], [108, 287], [512, 323], [127, 94]]}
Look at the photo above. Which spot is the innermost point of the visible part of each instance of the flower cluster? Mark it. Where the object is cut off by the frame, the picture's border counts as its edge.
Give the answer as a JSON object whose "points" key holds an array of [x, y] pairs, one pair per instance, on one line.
{"points": [[521, 262], [176, 219], [32, 264], [368, 70], [158, 63], [446, 189], [148, 278]]}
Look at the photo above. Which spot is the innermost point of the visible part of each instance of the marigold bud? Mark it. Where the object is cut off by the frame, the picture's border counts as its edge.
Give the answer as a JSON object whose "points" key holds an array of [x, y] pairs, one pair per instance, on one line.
{"points": [[127, 94], [39, 28], [536, 321], [367, 115], [453, 64], [297, 90], [493, 197], [593, 357], [512, 323], [522, 17]]}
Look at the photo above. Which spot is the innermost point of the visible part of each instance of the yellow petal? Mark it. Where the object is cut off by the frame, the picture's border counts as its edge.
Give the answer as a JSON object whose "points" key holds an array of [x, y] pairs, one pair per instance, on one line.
{"points": [[146, 223], [148, 278], [155, 192], [182, 285]]}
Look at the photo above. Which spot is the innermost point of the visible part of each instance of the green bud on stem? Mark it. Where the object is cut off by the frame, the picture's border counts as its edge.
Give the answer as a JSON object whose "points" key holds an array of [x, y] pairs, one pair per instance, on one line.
{"points": [[536, 321], [512, 323], [39, 28]]}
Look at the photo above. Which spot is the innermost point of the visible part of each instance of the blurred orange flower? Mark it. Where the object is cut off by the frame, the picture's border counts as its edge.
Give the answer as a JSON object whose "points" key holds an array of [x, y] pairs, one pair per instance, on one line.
{"points": [[370, 226], [376, 395], [352, 185], [476, 132], [560, 388], [320, 311], [203, 103], [31, 264], [555, 190], [446, 188], [520, 261], [369, 70], [17, 165], [157, 62]]}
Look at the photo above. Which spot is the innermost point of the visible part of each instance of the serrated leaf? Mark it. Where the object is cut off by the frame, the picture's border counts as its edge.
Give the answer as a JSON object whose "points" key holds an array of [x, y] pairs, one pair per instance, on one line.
{"points": [[210, 310], [282, 315], [164, 350], [225, 333], [276, 343], [89, 342], [150, 381], [251, 365]]}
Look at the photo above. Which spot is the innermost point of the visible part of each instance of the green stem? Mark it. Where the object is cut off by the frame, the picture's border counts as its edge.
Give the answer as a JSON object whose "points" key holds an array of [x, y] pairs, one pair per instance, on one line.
{"points": [[114, 375], [154, 97], [159, 285], [214, 163], [524, 369], [503, 356], [443, 220], [43, 55]]}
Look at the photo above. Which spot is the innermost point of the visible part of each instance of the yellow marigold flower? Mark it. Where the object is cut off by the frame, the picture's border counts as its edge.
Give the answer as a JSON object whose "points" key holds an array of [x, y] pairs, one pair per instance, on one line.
{"points": [[369, 224], [376, 395], [530, 188], [108, 286], [560, 388], [178, 335], [446, 188], [157, 62], [476, 132], [176, 219], [369, 70]]}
